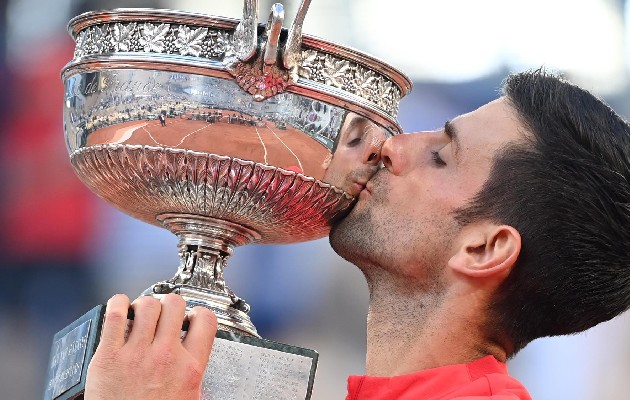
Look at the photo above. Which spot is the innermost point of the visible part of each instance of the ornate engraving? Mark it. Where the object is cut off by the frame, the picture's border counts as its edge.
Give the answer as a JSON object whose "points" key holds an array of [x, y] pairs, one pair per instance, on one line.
{"points": [[150, 181], [351, 77], [366, 82], [202, 267], [100, 34], [123, 36], [218, 45], [245, 31], [337, 72], [80, 49], [153, 37], [190, 41], [186, 40], [312, 66], [258, 79]]}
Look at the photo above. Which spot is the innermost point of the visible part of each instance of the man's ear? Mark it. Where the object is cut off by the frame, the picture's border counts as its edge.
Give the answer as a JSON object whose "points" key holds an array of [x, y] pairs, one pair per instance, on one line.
{"points": [[486, 250]]}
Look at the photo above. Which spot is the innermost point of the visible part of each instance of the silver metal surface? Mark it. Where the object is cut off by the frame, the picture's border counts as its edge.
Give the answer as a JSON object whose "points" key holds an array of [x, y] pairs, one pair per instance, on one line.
{"points": [[255, 373], [223, 132], [67, 357], [291, 57], [363, 78], [205, 114]]}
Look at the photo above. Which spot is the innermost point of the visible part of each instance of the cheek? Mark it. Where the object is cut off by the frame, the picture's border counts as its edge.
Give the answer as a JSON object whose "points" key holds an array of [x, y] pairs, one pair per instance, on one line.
{"points": [[431, 197], [345, 157], [414, 242], [456, 190]]}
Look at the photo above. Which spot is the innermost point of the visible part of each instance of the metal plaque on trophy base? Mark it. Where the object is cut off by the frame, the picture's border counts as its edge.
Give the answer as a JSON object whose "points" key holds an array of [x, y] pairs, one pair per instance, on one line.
{"points": [[240, 367], [224, 132]]}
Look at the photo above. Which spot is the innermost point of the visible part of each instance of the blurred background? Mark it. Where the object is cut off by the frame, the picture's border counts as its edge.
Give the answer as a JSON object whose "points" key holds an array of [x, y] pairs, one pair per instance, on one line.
{"points": [[62, 250]]}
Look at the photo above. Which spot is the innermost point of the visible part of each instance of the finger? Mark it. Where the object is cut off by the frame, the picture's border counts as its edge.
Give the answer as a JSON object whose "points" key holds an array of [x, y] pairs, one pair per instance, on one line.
{"points": [[169, 326], [146, 311], [113, 333], [201, 333]]}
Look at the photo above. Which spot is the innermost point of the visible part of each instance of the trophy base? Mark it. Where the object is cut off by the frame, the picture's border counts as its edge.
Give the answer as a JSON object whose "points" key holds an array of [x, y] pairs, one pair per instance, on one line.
{"points": [[229, 318], [240, 367]]}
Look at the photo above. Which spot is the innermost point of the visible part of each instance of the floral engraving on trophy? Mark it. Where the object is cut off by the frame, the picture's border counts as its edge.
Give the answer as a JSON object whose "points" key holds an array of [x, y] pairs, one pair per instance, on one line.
{"points": [[100, 36], [81, 47], [386, 94], [123, 36], [337, 72], [220, 45], [153, 37], [366, 86], [312, 66], [190, 41], [352, 77], [150, 37]]}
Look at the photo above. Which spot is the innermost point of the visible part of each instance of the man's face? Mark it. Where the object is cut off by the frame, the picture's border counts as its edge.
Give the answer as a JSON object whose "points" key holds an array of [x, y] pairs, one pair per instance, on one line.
{"points": [[403, 221], [356, 157]]}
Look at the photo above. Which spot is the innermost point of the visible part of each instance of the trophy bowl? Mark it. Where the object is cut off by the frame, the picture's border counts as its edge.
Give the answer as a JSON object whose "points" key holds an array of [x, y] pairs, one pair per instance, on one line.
{"points": [[225, 132]]}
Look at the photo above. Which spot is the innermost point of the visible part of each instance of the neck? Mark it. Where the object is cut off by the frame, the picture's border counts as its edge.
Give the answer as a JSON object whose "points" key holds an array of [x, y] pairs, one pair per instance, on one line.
{"points": [[412, 330]]}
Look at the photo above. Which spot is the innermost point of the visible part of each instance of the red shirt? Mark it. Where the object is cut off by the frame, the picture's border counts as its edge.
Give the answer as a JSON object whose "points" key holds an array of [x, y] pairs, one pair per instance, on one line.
{"points": [[484, 379]]}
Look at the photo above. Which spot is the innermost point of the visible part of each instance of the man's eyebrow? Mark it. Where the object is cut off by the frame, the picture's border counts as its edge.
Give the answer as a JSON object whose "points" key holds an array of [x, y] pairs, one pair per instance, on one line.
{"points": [[451, 132], [356, 121]]}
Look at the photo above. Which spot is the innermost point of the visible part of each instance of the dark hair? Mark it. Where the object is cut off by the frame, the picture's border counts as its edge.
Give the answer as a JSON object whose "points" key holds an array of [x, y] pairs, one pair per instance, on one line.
{"points": [[567, 192]]}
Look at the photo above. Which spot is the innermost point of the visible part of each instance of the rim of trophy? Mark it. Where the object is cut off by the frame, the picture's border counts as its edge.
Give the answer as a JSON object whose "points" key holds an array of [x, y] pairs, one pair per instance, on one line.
{"points": [[324, 87], [264, 60]]}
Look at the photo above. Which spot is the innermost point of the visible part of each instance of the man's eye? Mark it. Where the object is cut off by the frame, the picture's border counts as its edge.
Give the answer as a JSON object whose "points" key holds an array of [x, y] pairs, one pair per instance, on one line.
{"points": [[354, 142], [437, 159]]}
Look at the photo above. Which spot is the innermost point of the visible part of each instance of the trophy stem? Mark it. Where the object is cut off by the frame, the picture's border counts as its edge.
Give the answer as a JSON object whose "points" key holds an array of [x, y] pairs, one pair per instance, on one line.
{"points": [[205, 244]]}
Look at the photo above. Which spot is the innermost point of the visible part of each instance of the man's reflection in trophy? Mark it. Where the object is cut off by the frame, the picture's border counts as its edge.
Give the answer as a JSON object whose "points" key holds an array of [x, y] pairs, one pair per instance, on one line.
{"points": [[356, 154]]}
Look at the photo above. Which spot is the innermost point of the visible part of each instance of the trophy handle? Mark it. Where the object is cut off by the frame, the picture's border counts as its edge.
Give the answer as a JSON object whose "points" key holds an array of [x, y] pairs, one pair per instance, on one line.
{"points": [[266, 73], [245, 35], [274, 26], [292, 55]]}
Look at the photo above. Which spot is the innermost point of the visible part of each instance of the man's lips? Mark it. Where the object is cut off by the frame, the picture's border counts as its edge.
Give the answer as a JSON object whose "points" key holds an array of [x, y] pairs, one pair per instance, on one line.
{"points": [[367, 188], [356, 188]]}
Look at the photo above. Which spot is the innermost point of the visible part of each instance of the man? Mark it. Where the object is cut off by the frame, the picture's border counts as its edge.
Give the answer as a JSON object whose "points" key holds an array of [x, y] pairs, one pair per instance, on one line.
{"points": [[509, 224], [355, 156]]}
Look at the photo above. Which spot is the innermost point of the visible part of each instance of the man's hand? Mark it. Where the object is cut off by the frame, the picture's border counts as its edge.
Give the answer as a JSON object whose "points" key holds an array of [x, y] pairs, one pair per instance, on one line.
{"points": [[153, 363]]}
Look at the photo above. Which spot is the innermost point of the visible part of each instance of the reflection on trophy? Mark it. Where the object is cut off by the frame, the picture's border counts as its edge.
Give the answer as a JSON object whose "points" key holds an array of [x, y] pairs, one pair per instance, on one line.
{"points": [[226, 133]]}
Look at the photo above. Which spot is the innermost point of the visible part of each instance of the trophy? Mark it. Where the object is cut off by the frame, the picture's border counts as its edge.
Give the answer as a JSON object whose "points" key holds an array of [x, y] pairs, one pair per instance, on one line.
{"points": [[224, 132]]}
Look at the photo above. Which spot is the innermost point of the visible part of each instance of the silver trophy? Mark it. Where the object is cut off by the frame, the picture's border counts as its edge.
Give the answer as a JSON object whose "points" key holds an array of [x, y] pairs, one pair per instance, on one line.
{"points": [[224, 132]]}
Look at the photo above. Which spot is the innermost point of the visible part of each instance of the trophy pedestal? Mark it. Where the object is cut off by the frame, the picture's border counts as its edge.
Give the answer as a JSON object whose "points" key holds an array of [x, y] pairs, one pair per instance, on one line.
{"points": [[240, 367]]}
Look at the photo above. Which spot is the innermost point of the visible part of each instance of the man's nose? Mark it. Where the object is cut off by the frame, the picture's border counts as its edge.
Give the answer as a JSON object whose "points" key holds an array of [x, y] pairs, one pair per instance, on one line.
{"points": [[391, 154], [403, 151], [372, 151]]}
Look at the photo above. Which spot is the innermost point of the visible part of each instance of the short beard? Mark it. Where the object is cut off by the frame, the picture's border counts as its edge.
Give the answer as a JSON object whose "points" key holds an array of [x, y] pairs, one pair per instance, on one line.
{"points": [[354, 239]]}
